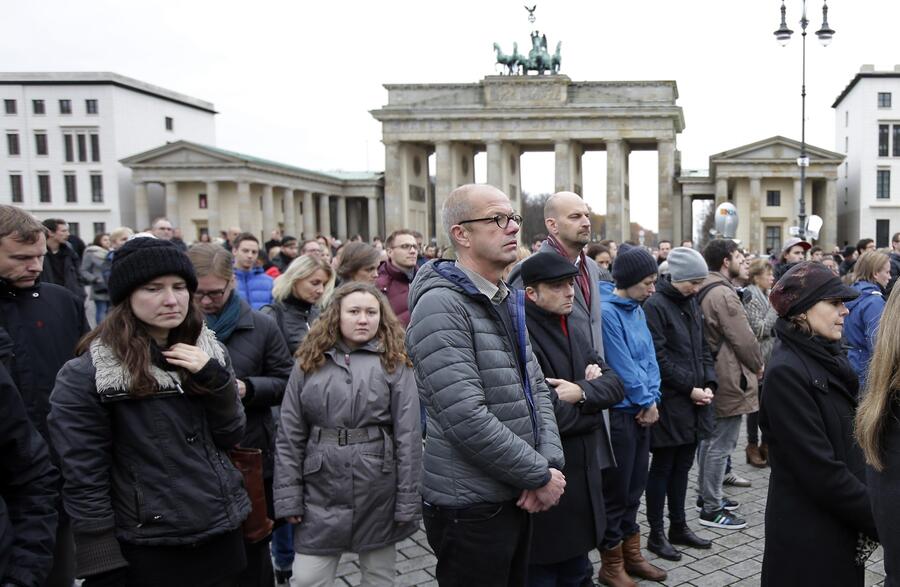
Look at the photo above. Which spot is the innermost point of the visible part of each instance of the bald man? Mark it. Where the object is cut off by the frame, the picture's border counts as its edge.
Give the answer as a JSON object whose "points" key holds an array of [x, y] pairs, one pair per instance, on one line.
{"points": [[492, 448]]}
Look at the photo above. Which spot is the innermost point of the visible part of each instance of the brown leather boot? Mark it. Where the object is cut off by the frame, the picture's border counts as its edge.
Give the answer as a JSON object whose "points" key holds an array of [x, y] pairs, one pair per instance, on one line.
{"points": [[764, 451], [636, 564], [612, 569], [754, 456]]}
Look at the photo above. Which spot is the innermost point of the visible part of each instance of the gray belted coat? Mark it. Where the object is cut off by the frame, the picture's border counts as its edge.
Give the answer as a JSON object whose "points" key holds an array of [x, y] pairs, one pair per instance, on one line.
{"points": [[349, 454]]}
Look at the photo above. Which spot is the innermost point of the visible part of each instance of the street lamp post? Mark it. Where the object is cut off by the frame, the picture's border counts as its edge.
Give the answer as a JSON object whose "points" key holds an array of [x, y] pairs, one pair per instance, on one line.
{"points": [[783, 34]]}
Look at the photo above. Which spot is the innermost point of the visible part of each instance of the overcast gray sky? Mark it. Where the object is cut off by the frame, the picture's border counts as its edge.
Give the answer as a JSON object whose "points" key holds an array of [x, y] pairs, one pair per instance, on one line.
{"points": [[294, 81]]}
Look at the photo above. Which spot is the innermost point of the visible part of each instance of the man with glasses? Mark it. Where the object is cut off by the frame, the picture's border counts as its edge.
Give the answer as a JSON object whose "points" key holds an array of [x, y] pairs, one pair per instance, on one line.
{"points": [[261, 363], [492, 448], [398, 270]]}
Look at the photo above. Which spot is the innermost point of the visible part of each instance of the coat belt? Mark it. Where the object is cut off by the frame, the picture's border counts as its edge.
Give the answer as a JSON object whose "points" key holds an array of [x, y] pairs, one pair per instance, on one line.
{"points": [[347, 436]]}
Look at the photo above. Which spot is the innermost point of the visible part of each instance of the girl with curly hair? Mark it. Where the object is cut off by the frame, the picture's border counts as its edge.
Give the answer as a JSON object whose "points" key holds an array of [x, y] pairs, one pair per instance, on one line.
{"points": [[349, 448]]}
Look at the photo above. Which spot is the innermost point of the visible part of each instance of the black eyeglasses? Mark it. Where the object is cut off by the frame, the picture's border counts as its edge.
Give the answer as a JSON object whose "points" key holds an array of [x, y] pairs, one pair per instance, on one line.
{"points": [[214, 295], [502, 220]]}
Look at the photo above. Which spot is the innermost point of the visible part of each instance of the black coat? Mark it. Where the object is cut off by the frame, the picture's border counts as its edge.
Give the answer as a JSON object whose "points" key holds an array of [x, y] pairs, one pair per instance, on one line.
{"points": [[261, 360], [294, 317], [28, 493], [576, 525], [685, 362], [884, 491], [817, 502], [68, 272], [45, 323]]}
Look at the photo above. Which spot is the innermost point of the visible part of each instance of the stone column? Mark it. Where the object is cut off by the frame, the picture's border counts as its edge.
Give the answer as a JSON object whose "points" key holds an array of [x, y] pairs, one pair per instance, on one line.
{"points": [[214, 219], [563, 177], [244, 207], [309, 215], [290, 212], [396, 202], [618, 221], [687, 218], [495, 165], [828, 234], [141, 207], [341, 218], [373, 217], [324, 215], [666, 155], [443, 184], [755, 224], [172, 203], [268, 211], [721, 190]]}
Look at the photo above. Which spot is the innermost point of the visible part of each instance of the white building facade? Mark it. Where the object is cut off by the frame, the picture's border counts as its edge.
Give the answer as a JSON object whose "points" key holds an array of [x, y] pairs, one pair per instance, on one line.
{"points": [[64, 134], [867, 130]]}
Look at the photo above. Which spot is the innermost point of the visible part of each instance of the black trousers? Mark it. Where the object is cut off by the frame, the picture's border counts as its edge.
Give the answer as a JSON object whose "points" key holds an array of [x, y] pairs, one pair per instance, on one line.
{"points": [[624, 484], [753, 422], [668, 477], [484, 544]]}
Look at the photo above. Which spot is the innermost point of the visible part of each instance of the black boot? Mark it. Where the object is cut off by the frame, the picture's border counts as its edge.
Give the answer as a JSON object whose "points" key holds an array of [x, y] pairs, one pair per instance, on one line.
{"points": [[658, 545], [680, 533]]}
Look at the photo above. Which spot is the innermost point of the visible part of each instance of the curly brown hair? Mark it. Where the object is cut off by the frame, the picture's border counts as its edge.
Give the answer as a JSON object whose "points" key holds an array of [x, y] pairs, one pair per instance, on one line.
{"points": [[326, 331]]}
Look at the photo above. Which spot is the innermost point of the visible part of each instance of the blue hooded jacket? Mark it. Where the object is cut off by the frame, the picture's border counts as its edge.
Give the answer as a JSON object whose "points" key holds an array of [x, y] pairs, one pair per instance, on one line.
{"points": [[629, 350], [861, 326], [254, 286]]}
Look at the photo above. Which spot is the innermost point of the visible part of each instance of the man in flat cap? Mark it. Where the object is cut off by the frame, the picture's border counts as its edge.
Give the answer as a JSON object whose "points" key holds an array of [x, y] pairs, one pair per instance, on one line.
{"points": [[584, 386]]}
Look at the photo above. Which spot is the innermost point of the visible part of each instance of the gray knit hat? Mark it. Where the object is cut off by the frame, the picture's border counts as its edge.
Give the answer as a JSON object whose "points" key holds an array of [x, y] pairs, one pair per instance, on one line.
{"points": [[686, 265]]}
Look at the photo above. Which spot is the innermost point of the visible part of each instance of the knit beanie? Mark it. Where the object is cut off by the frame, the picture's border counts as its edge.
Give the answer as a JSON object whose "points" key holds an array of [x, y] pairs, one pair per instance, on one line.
{"points": [[632, 266], [687, 265], [143, 259]]}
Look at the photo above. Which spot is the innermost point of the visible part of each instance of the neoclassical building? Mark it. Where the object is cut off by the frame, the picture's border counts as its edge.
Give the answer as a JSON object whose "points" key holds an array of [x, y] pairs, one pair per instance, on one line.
{"points": [[207, 189], [762, 179]]}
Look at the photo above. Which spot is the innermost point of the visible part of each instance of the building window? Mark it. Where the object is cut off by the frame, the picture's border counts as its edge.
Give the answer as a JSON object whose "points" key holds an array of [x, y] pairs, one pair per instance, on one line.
{"points": [[883, 132], [96, 188], [846, 144], [9, 106], [82, 147], [95, 148], [74, 228], [44, 188], [71, 188], [896, 138], [202, 202], [882, 232], [773, 238], [12, 144], [884, 99], [773, 198], [99, 228], [37, 107], [15, 188], [846, 118], [846, 169], [40, 143], [170, 124], [68, 148], [65, 106], [883, 186], [90, 106]]}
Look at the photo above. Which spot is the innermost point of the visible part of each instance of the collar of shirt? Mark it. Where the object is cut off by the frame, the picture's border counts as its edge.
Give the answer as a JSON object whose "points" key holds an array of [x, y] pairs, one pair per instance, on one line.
{"points": [[496, 293]]}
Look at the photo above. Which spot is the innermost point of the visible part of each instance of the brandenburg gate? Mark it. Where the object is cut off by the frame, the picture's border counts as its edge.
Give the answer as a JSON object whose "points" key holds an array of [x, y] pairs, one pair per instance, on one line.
{"points": [[507, 115]]}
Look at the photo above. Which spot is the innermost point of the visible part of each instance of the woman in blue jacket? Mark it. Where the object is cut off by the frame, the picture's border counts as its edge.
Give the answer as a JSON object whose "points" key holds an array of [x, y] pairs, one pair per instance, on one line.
{"points": [[873, 272], [629, 350]]}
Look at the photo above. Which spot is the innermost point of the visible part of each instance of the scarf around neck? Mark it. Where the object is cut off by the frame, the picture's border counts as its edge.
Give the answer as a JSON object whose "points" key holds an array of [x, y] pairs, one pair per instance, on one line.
{"points": [[583, 279], [224, 323]]}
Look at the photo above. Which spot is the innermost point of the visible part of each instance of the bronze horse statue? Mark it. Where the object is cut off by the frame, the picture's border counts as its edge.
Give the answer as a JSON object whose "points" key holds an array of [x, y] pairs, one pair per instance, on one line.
{"points": [[511, 62]]}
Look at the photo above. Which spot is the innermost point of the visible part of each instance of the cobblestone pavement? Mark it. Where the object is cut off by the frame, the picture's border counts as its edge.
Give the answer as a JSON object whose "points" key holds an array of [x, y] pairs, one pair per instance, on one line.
{"points": [[735, 558]]}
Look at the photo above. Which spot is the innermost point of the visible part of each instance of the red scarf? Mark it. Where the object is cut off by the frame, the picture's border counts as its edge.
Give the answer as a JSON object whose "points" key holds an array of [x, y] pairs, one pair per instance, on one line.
{"points": [[583, 279]]}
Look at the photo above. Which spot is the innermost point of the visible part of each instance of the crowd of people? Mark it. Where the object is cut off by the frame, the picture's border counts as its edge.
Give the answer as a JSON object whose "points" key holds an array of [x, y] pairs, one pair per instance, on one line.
{"points": [[238, 412]]}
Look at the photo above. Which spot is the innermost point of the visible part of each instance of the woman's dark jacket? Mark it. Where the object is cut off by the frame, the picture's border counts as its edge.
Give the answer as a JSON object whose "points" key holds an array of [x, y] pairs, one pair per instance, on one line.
{"points": [[261, 360], [884, 492], [685, 362], [28, 489], [294, 317], [817, 502], [152, 471], [576, 525]]}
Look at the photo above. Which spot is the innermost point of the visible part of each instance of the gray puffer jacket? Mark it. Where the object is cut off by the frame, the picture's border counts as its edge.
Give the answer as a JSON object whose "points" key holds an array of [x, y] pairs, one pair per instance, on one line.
{"points": [[349, 454], [481, 445], [147, 471]]}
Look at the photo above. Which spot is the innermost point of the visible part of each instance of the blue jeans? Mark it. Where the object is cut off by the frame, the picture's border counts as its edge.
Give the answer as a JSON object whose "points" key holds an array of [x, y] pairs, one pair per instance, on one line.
{"points": [[624, 484], [102, 309], [283, 546]]}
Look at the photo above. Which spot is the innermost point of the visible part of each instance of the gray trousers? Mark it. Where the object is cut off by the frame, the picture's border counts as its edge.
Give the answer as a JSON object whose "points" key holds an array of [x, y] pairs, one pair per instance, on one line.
{"points": [[713, 458]]}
